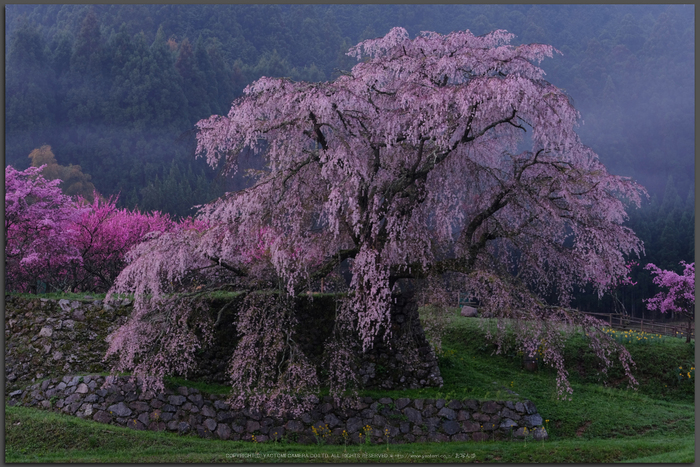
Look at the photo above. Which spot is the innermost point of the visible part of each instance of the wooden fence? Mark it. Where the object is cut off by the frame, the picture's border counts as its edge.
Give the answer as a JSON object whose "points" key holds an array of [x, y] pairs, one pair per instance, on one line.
{"points": [[622, 322], [626, 323]]}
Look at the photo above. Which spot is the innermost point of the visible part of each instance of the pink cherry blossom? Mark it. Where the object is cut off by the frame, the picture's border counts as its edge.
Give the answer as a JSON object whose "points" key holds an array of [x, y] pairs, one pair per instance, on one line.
{"points": [[414, 166]]}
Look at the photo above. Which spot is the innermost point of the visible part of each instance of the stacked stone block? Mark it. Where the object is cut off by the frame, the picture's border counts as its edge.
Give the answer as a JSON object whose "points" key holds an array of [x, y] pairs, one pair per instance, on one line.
{"points": [[116, 400]]}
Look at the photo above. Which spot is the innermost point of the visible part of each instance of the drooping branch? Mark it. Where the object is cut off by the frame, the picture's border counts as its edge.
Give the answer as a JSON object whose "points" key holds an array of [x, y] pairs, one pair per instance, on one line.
{"points": [[318, 134], [327, 267], [237, 271], [313, 157], [498, 203]]}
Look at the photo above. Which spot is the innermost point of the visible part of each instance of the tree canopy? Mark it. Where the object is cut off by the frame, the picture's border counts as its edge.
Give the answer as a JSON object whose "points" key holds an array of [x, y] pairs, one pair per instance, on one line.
{"points": [[680, 296], [73, 181], [445, 161], [38, 231]]}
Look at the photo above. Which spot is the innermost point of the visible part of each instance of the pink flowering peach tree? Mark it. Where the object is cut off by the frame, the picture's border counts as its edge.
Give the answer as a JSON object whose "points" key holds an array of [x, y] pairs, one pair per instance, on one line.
{"points": [[443, 161], [679, 296], [68, 244], [103, 234]]}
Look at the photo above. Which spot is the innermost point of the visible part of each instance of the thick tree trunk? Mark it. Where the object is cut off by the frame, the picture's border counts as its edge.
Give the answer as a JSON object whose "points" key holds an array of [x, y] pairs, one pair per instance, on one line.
{"points": [[406, 360]]}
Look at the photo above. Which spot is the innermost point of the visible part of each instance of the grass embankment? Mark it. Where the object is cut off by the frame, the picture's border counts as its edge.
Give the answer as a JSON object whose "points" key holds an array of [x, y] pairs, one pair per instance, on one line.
{"points": [[63, 296], [602, 423], [89, 297]]}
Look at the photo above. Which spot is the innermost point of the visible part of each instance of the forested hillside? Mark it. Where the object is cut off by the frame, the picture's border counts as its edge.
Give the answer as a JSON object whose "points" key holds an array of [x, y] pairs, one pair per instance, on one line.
{"points": [[117, 89]]}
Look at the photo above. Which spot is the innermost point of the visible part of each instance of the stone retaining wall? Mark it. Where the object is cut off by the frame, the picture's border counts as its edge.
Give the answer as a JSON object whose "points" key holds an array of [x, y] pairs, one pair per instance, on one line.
{"points": [[48, 337], [186, 410]]}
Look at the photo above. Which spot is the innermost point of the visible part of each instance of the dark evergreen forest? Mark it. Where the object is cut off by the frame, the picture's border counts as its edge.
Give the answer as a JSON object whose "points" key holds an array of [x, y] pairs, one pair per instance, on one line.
{"points": [[117, 89]]}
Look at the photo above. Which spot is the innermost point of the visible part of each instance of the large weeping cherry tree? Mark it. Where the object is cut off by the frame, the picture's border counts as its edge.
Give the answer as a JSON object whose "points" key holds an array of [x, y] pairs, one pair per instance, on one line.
{"points": [[412, 167]]}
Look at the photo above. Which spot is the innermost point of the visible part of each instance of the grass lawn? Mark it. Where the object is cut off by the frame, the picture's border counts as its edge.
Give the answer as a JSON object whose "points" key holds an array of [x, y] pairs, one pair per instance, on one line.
{"points": [[605, 422]]}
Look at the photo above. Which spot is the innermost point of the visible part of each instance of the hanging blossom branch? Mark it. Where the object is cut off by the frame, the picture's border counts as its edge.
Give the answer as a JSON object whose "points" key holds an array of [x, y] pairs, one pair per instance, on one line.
{"points": [[541, 327], [268, 369]]}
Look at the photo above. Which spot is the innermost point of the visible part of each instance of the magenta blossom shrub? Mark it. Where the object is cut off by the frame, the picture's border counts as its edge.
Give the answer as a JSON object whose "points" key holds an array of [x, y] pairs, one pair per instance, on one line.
{"points": [[627, 280], [103, 236], [409, 166], [39, 231], [679, 296], [70, 245]]}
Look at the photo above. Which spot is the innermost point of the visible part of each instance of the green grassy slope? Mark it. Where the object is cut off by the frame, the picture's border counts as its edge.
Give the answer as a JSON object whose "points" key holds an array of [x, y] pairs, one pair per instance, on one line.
{"points": [[600, 424]]}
